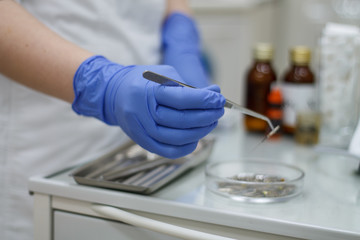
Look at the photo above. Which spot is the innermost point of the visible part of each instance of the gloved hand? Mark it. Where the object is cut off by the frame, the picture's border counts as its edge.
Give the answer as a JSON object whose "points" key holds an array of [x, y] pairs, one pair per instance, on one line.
{"points": [[167, 120], [182, 49]]}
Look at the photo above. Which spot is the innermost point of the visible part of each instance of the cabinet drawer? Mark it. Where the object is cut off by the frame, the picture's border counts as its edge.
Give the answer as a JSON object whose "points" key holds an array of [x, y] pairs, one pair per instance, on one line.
{"points": [[71, 226]]}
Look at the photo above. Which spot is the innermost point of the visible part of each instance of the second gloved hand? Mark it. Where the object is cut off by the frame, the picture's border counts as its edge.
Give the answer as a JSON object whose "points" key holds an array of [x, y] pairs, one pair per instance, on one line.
{"points": [[182, 48], [167, 120]]}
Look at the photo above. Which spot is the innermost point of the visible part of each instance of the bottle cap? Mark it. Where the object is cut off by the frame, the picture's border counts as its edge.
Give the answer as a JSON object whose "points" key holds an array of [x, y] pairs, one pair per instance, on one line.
{"points": [[263, 51], [300, 55]]}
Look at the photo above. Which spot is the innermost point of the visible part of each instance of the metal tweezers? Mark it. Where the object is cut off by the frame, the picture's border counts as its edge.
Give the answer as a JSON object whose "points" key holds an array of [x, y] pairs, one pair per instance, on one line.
{"points": [[154, 77]]}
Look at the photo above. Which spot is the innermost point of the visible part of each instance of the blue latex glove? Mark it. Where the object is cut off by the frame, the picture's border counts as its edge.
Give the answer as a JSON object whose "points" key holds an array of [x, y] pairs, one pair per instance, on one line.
{"points": [[182, 50], [167, 120]]}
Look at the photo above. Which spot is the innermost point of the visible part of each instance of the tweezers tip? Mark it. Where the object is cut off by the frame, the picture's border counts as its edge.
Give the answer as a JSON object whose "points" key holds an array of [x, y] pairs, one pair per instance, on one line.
{"points": [[273, 131]]}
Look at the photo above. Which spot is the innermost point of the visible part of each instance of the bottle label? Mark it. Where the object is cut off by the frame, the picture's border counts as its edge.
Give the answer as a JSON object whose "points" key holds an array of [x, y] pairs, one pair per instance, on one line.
{"points": [[297, 97]]}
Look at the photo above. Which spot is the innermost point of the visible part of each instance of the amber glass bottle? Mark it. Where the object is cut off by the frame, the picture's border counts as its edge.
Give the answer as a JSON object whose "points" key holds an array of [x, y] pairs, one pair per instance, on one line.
{"points": [[298, 87], [258, 81]]}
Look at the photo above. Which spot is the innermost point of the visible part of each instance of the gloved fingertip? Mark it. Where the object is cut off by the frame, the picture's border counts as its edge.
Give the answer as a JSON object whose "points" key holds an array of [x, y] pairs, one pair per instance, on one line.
{"points": [[214, 88], [213, 126], [179, 151], [220, 102], [215, 100]]}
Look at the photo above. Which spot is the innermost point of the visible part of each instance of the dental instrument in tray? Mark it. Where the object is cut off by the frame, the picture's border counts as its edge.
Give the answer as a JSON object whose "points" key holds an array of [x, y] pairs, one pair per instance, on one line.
{"points": [[131, 168], [154, 77]]}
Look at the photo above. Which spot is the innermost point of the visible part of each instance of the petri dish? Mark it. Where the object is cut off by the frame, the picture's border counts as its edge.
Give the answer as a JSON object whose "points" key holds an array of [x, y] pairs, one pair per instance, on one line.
{"points": [[254, 181]]}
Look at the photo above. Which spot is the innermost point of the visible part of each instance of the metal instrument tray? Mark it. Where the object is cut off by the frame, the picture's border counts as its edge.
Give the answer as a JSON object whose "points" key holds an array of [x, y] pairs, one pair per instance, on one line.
{"points": [[131, 168]]}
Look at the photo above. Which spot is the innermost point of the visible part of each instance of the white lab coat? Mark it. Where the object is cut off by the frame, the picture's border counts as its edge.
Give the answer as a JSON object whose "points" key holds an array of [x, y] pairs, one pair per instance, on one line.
{"points": [[40, 134]]}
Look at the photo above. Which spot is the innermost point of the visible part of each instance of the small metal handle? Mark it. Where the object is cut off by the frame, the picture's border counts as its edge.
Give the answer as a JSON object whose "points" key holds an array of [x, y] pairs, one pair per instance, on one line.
{"points": [[155, 77], [154, 225]]}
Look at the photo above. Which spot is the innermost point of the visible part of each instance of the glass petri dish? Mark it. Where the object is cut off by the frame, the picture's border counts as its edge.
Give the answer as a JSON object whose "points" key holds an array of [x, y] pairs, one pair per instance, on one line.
{"points": [[254, 181]]}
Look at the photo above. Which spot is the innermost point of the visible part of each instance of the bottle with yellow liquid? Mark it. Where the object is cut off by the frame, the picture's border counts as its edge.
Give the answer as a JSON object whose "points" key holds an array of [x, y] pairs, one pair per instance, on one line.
{"points": [[258, 82]]}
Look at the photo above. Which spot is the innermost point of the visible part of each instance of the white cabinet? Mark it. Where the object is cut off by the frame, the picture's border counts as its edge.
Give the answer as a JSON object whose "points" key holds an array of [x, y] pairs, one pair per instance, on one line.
{"points": [[73, 219], [72, 226]]}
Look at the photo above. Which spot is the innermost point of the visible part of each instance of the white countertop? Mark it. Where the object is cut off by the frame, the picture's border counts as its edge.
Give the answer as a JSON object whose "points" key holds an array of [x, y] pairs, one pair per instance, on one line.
{"points": [[329, 207]]}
